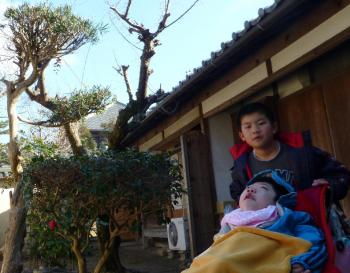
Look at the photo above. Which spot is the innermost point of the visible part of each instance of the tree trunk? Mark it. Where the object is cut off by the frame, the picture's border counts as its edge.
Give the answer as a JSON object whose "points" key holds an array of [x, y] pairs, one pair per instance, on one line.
{"points": [[147, 54], [138, 107], [13, 151], [121, 127], [112, 263], [104, 257], [12, 261], [74, 139], [79, 255], [114, 256]]}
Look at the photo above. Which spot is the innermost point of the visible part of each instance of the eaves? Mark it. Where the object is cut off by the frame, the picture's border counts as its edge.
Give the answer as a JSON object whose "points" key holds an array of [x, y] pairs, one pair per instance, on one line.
{"points": [[270, 21]]}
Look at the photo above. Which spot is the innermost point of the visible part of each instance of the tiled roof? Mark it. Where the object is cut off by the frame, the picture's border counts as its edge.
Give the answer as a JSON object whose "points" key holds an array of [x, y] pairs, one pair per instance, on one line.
{"points": [[262, 12], [236, 36], [270, 20], [97, 122], [216, 56]]}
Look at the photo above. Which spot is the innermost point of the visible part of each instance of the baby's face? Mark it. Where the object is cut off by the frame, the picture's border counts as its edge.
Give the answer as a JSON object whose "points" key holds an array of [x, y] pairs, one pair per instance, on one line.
{"points": [[257, 196]]}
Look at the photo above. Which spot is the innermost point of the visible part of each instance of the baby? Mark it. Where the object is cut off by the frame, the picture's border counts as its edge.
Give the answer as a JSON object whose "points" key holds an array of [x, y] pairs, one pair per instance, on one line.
{"points": [[263, 205]]}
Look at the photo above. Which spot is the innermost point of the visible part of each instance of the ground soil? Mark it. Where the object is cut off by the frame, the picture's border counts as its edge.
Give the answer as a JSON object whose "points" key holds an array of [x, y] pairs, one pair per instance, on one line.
{"points": [[134, 257]]}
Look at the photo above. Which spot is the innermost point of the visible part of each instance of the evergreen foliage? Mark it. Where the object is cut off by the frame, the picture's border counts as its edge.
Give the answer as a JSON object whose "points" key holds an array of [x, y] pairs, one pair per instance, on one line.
{"points": [[74, 191]]}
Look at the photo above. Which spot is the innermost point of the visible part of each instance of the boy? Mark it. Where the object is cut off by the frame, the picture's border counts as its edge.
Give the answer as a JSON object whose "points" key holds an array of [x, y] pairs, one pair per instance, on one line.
{"points": [[291, 155], [261, 212]]}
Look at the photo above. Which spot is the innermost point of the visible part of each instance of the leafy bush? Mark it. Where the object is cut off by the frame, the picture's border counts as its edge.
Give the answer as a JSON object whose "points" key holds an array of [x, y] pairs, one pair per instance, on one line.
{"points": [[74, 191], [43, 242]]}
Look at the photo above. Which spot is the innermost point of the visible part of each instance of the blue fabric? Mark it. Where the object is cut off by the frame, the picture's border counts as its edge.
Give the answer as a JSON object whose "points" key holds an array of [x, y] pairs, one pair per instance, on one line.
{"points": [[288, 200], [300, 224], [287, 185]]}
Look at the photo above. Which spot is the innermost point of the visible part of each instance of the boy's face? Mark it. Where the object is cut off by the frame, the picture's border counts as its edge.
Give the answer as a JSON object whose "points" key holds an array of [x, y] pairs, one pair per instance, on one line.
{"points": [[257, 130], [257, 196]]}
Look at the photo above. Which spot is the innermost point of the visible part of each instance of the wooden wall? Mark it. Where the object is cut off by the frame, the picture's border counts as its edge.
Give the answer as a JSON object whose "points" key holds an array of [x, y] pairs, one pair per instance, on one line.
{"points": [[324, 109], [200, 190]]}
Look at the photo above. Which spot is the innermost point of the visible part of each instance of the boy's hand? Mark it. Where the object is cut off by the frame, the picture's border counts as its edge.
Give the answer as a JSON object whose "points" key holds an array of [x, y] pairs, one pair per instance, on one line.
{"points": [[320, 181], [298, 268]]}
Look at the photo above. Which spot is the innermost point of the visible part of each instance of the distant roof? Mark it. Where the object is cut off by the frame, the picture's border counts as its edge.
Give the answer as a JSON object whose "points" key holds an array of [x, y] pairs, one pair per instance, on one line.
{"points": [[95, 122]]}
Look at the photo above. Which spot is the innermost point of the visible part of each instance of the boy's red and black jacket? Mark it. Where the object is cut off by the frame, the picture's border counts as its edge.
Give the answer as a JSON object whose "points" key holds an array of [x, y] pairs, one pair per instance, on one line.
{"points": [[308, 163]]}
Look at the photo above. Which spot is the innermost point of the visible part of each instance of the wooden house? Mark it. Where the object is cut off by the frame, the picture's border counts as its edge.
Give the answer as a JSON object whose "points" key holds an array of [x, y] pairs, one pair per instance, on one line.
{"points": [[296, 56]]}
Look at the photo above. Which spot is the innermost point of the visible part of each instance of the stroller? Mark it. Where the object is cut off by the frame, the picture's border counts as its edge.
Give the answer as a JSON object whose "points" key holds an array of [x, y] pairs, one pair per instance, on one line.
{"points": [[316, 202]]}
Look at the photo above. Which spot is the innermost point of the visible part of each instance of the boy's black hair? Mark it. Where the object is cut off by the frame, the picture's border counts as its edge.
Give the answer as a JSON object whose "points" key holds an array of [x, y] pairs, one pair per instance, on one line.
{"points": [[255, 107]]}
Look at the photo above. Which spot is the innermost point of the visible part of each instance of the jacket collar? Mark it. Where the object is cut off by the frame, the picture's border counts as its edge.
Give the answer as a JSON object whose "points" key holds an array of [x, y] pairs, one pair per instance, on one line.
{"points": [[296, 140]]}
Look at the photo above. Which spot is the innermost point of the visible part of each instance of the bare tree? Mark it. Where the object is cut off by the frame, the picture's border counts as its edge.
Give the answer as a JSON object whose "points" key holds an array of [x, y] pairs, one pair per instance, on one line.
{"points": [[136, 108], [38, 35]]}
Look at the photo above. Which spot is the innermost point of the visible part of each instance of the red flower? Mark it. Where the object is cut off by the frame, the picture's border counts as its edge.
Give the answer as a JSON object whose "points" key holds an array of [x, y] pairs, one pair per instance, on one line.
{"points": [[52, 224]]}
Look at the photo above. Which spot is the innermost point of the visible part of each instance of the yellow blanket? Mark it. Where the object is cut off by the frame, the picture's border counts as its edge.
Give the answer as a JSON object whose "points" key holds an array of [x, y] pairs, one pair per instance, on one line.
{"points": [[249, 250]]}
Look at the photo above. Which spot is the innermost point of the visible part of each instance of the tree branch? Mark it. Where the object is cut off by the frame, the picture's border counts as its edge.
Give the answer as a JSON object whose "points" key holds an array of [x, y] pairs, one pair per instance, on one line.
{"points": [[40, 123], [183, 14], [9, 86], [40, 98], [137, 109], [41, 81], [123, 36], [127, 8], [114, 232], [28, 82], [166, 15], [31, 94], [123, 71], [125, 18]]}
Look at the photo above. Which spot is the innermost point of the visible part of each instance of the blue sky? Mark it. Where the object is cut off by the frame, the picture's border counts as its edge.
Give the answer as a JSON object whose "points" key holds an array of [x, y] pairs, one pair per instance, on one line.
{"points": [[184, 45]]}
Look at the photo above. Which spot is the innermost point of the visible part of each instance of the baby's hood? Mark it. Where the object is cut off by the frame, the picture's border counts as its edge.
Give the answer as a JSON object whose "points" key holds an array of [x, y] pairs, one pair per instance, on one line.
{"points": [[286, 200]]}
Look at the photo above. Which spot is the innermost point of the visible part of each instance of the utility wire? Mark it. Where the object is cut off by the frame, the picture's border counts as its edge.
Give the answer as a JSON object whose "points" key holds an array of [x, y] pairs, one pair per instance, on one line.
{"points": [[74, 74], [124, 37], [84, 68], [182, 15]]}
